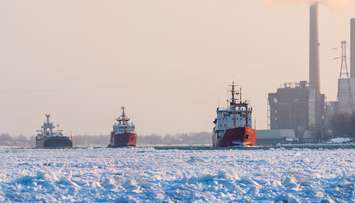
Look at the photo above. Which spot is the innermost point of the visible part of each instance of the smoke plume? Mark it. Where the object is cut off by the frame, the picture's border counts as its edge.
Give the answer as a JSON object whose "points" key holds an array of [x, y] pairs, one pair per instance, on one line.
{"points": [[330, 3], [337, 3]]}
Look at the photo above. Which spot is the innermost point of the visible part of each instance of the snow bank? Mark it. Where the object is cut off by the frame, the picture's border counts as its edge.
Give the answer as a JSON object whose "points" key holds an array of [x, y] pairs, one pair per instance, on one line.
{"points": [[146, 175], [340, 140]]}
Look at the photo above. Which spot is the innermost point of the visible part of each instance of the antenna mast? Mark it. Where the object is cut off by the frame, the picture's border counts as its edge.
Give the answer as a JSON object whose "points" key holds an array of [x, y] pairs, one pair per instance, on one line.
{"points": [[233, 94], [123, 112], [344, 72]]}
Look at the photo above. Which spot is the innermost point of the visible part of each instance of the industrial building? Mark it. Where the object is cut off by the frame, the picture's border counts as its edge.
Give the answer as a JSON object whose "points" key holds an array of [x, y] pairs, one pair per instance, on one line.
{"points": [[345, 103], [345, 97], [301, 106], [289, 108], [340, 112], [352, 63], [273, 137]]}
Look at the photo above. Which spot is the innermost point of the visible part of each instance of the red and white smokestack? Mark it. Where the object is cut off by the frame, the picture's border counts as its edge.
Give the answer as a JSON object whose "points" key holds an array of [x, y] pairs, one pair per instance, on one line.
{"points": [[314, 80], [352, 49]]}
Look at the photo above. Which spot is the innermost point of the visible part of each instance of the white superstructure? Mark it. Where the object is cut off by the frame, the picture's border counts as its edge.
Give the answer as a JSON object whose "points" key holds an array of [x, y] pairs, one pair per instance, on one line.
{"points": [[123, 125], [48, 138], [236, 115], [47, 129]]}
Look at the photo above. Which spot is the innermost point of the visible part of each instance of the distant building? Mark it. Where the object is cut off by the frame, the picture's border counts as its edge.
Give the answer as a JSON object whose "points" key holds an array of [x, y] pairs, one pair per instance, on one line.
{"points": [[330, 112], [289, 108], [272, 137], [346, 96], [346, 84], [345, 104], [352, 63]]}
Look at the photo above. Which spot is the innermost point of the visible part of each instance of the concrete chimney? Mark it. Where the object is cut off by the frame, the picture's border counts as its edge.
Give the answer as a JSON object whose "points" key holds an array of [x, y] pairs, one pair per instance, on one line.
{"points": [[314, 81], [352, 49], [314, 105]]}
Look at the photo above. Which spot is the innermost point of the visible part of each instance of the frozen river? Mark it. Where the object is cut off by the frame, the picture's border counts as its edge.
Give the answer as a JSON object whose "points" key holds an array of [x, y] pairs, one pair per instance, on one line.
{"points": [[150, 175]]}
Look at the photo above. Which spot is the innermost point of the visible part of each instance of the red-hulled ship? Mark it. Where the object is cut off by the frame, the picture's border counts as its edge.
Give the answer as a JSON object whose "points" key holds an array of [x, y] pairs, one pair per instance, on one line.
{"points": [[123, 134], [233, 125]]}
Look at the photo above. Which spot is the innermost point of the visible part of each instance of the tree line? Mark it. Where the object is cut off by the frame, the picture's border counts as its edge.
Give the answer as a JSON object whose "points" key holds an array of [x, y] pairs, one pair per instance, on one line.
{"points": [[200, 138]]}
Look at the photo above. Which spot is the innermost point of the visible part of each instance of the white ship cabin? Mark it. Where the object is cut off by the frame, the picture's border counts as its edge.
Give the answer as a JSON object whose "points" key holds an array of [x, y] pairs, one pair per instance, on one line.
{"points": [[47, 129], [123, 124], [237, 114]]}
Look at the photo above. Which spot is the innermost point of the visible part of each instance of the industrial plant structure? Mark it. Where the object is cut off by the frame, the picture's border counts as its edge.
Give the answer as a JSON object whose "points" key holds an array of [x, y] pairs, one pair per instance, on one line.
{"points": [[352, 62], [345, 97], [352, 49], [345, 103], [315, 100], [341, 113], [289, 108], [301, 106]]}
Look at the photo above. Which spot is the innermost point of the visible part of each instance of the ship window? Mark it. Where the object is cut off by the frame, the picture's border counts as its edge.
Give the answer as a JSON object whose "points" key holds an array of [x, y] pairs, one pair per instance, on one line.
{"points": [[246, 136]]}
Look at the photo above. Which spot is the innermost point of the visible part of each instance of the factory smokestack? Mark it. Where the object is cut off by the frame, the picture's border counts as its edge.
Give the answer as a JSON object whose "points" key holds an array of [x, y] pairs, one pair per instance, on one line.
{"points": [[314, 81], [314, 110], [352, 49]]}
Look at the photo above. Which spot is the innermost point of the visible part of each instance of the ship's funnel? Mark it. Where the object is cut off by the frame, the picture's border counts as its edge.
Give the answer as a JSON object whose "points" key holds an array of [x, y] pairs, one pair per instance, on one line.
{"points": [[314, 81], [352, 48]]}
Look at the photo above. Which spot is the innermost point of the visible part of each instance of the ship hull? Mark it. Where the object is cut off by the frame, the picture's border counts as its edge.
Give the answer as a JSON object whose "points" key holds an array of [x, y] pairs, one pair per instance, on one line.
{"points": [[236, 137], [54, 142], [123, 140]]}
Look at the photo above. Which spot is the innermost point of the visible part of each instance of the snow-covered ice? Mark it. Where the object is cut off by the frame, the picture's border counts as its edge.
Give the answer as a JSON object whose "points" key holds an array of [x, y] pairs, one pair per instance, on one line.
{"points": [[149, 175]]}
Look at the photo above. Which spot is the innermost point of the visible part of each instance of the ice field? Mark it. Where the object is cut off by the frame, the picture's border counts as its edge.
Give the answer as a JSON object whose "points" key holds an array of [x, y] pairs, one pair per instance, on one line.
{"points": [[150, 175]]}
